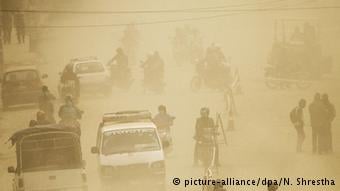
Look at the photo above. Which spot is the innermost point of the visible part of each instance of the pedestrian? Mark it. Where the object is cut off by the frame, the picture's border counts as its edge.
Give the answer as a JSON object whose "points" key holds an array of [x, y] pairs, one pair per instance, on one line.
{"points": [[7, 23], [19, 22], [296, 117], [316, 112], [330, 115]]}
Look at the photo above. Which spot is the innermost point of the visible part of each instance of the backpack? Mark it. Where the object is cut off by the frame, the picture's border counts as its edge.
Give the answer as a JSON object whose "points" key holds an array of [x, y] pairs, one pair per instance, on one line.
{"points": [[293, 115]]}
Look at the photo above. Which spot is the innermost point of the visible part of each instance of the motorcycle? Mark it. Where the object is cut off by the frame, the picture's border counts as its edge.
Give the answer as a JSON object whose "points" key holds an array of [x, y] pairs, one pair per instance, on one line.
{"points": [[68, 88], [166, 138], [206, 148]]}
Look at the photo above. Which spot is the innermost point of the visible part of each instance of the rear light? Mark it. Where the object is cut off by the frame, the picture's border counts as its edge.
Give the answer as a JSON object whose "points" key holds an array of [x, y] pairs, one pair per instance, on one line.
{"points": [[21, 183]]}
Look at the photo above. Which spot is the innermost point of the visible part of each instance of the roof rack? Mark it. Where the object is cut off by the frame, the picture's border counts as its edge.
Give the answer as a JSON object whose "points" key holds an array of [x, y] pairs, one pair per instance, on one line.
{"points": [[126, 116], [84, 58]]}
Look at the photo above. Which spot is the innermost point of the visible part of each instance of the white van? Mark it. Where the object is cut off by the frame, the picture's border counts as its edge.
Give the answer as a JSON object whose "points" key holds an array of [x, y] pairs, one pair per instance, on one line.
{"points": [[130, 151]]}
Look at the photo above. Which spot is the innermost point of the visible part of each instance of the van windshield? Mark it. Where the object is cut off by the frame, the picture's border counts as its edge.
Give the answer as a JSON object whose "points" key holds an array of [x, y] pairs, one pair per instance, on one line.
{"points": [[50, 152], [130, 140]]}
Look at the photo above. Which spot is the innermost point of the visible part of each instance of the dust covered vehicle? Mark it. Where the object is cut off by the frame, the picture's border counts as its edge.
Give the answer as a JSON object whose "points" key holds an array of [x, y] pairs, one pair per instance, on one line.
{"points": [[48, 158], [129, 152], [297, 60], [21, 85]]}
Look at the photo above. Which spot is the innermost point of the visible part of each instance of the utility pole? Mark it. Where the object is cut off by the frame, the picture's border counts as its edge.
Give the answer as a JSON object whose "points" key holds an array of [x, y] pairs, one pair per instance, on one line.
{"points": [[2, 68]]}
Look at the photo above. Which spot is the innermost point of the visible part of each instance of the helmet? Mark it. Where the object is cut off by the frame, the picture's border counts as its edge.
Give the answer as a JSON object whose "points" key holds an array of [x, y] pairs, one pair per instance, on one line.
{"points": [[44, 88], [68, 98], [204, 111], [161, 108], [41, 115], [119, 50]]}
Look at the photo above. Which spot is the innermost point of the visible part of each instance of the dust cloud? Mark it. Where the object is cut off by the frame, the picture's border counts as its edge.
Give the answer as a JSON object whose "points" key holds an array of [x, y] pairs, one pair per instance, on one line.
{"points": [[263, 142]]}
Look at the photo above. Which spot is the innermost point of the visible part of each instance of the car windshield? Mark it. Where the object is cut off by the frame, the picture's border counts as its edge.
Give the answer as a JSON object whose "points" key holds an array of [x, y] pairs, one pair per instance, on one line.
{"points": [[89, 67], [130, 140], [24, 75], [50, 152]]}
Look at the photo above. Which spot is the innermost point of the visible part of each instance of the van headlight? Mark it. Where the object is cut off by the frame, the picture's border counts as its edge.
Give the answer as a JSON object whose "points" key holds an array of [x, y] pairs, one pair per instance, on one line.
{"points": [[158, 164]]}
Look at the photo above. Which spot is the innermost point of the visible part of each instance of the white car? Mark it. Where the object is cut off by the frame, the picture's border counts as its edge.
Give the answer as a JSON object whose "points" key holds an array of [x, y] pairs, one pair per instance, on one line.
{"points": [[92, 74], [129, 151]]}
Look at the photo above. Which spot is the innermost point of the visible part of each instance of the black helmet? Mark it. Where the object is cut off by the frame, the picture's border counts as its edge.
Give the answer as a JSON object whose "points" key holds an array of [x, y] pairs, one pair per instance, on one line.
{"points": [[41, 115], [119, 50], [204, 111], [44, 88]]}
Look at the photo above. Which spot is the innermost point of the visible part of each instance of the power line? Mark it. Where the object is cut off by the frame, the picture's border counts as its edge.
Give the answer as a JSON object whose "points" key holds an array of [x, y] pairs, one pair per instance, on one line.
{"points": [[170, 10], [125, 24]]}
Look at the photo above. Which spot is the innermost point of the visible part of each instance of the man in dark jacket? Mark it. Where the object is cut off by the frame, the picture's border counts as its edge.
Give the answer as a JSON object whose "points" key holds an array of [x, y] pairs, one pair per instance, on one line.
{"points": [[316, 112], [330, 115], [46, 104]]}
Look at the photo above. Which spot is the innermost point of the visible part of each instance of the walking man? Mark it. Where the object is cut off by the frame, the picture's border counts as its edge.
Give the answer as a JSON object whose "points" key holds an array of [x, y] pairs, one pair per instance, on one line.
{"points": [[330, 115]]}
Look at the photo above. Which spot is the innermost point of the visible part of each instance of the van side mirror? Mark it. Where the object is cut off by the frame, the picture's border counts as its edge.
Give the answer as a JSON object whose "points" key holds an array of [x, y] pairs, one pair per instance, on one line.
{"points": [[44, 76], [94, 150], [11, 169]]}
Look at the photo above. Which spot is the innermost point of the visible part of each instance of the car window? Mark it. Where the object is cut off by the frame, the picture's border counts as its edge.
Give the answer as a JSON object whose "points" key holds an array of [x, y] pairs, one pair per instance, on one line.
{"points": [[25, 75], [130, 140], [89, 67]]}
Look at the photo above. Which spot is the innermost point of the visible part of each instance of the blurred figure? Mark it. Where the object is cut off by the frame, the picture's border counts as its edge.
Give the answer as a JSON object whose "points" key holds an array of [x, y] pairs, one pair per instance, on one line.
{"points": [[202, 123], [19, 22], [70, 81], [130, 42], [163, 120], [296, 117], [46, 103], [153, 72], [297, 35], [69, 115], [315, 113], [41, 118], [331, 113], [120, 71], [7, 24]]}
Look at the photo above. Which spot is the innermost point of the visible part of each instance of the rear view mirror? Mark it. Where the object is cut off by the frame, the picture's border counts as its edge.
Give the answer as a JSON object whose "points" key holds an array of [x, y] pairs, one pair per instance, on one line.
{"points": [[11, 169], [94, 150], [44, 76]]}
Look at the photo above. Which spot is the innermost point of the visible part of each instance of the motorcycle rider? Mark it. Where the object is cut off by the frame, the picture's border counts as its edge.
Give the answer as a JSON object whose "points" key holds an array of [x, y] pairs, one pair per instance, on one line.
{"points": [[120, 68], [69, 115], [203, 123], [46, 103], [164, 121], [42, 118], [69, 75], [153, 69]]}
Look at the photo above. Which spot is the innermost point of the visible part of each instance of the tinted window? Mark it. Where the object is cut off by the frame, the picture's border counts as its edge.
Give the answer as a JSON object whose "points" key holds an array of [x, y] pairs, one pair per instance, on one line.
{"points": [[25, 75], [89, 67]]}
